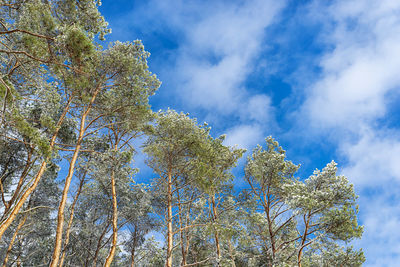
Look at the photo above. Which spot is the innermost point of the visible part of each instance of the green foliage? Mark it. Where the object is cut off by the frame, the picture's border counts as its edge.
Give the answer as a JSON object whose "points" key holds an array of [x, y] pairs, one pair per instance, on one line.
{"points": [[330, 202], [33, 134], [331, 254], [8, 92], [79, 45], [176, 138]]}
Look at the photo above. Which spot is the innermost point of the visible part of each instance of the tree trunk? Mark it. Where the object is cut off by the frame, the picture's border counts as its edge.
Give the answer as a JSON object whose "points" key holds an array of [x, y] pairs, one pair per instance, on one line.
{"points": [[114, 222], [183, 251], [71, 218], [22, 177], [215, 218], [231, 254], [267, 206], [134, 247], [303, 239], [4, 226], [22, 222], [19, 261], [168, 262], [96, 254], [60, 216]]}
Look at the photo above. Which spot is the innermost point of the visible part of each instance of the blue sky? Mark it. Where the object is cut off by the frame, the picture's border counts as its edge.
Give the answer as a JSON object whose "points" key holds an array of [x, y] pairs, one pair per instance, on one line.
{"points": [[322, 77]]}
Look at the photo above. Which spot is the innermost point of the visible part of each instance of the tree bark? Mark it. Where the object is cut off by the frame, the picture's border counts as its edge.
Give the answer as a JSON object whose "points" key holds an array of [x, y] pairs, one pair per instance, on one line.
{"points": [[216, 236], [63, 202], [267, 208], [303, 239], [231, 254], [114, 222], [168, 262], [22, 222], [134, 247], [183, 251], [22, 177], [99, 246], [71, 218]]}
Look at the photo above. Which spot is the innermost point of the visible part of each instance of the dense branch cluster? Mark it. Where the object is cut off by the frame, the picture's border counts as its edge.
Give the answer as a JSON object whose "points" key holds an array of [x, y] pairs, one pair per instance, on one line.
{"points": [[71, 113]]}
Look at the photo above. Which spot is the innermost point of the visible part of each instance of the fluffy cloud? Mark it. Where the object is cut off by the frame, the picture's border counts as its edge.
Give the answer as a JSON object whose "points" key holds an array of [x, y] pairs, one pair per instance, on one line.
{"points": [[217, 57], [374, 159]]}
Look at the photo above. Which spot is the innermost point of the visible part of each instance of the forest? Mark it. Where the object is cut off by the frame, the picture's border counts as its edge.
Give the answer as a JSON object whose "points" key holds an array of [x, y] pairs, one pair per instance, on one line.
{"points": [[71, 114]]}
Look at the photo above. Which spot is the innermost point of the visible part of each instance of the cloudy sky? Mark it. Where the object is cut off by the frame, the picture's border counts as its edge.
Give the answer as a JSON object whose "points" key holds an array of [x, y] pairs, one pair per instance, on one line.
{"points": [[322, 77]]}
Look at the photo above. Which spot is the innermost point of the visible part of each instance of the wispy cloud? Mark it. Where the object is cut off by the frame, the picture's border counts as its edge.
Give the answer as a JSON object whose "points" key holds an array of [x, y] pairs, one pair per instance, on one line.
{"points": [[244, 136]]}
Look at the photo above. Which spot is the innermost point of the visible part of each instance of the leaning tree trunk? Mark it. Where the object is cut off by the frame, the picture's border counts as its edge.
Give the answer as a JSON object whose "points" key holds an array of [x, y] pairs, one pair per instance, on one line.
{"points": [[303, 239], [70, 221], [21, 223]]}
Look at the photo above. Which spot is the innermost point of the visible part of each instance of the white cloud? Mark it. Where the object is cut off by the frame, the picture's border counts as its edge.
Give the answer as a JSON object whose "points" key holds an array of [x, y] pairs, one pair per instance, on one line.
{"points": [[232, 35], [374, 168], [258, 108], [381, 219], [374, 160], [362, 68], [244, 136]]}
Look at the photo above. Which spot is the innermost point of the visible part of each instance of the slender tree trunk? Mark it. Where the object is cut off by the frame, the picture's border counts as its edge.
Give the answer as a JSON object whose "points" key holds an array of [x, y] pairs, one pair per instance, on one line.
{"points": [[215, 218], [21, 223], [22, 177], [22, 200], [28, 192], [187, 236], [71, 218], [267, 205], [168, 262], [134, 247], [114, 222], [183, 251], [133, 257], [231, 254], [98, 247], [303, 239], [19, 260], [63, 202]]}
